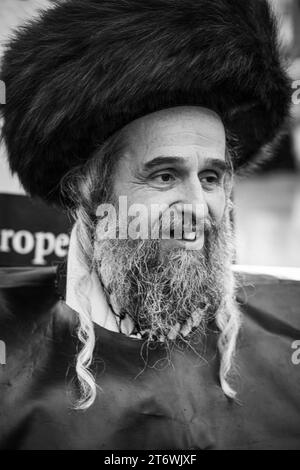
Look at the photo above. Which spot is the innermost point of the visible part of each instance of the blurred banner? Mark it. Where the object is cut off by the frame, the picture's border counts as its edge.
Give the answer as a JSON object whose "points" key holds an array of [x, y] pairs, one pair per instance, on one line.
{"points": [[30, 232]]}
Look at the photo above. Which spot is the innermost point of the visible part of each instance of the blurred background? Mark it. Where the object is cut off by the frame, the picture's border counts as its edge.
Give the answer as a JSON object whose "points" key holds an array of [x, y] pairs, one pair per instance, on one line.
{"points": [[267, 217]]}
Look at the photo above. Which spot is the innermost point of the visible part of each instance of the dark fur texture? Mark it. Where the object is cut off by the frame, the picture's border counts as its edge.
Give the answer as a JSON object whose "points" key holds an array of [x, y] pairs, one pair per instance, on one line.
{"points": [[88, 67]]}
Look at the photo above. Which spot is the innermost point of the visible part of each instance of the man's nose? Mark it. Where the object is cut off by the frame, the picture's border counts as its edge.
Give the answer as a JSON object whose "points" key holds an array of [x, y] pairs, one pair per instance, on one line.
{"points": [[191, 207], [193, 197]]}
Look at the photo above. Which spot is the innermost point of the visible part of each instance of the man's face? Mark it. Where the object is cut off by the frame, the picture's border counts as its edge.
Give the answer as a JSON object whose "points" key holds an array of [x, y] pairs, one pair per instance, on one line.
{"points": [[175, 157]]}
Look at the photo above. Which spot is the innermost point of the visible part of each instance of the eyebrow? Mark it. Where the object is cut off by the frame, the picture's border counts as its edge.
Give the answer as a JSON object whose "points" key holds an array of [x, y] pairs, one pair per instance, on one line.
{"points": [[216, 163], [222, 165], [163, 160]]}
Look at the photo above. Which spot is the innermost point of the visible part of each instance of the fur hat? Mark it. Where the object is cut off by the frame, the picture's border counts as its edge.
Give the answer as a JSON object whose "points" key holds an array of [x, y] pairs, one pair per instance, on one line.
{"points": [[86, 68]]}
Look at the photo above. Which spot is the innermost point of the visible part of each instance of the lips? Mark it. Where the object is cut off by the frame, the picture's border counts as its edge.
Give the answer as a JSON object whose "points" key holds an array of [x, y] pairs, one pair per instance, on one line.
{"points": [[187, 239]]}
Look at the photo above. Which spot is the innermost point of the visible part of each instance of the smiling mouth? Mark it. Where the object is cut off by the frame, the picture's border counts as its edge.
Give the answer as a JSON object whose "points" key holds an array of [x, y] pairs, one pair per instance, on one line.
{"points": [[187, 236], [189, 240]]}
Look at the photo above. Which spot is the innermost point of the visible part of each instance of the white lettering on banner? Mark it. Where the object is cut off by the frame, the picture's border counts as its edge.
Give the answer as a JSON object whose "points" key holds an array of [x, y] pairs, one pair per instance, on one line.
{"points": [[45, 243], [40, 244], [4, 243], [61, 245], [23, 242]]}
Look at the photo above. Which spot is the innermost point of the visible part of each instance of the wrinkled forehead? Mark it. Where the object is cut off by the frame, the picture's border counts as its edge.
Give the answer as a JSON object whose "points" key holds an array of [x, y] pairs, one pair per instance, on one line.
{"points": [[180, 126]]}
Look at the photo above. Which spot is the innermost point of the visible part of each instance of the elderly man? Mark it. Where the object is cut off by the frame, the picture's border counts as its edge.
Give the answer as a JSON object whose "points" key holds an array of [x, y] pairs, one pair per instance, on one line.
{"points": [[116, 108]]}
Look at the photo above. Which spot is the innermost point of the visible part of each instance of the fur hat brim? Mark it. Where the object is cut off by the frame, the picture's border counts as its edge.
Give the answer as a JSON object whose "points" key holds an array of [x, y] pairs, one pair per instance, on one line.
{"points": [[86, 68]]}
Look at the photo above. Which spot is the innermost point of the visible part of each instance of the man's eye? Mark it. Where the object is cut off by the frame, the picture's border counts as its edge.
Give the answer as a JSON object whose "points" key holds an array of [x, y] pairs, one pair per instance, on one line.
{"points": [[164, 178], [210, 179]]}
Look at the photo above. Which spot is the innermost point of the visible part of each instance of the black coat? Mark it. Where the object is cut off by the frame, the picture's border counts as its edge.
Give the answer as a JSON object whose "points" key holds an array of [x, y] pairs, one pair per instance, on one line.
{"points": [[177, 405]]}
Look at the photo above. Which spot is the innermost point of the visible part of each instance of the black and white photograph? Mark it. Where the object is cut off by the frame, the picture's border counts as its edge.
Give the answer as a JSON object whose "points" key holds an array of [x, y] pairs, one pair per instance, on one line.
{"points": [[149, 227]]}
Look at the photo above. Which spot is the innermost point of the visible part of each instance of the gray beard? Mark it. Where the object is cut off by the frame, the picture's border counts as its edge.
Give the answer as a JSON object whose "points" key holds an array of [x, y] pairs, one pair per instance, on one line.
{"points": [[161, 294]]}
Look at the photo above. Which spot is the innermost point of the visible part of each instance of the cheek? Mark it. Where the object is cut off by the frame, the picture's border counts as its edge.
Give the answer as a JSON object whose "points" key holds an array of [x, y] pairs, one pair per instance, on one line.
{"points": [[216, 203]]}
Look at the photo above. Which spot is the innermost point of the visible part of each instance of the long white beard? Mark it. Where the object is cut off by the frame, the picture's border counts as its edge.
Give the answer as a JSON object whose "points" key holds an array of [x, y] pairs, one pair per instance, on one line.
{"points": [[168, 297]]}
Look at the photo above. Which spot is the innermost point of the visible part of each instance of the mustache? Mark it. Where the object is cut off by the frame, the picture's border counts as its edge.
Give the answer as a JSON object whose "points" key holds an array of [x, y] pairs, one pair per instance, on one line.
{"points": [[180, 225]]}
